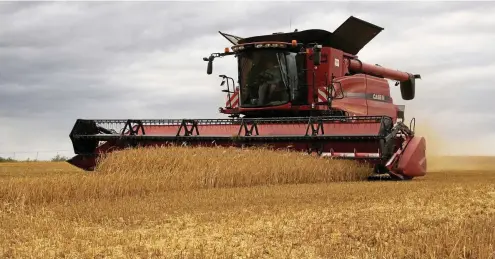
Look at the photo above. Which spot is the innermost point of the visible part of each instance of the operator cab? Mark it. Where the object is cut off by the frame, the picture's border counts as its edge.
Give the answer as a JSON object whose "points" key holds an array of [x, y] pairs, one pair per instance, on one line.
{"points": [[270, 77], [280, 73]]}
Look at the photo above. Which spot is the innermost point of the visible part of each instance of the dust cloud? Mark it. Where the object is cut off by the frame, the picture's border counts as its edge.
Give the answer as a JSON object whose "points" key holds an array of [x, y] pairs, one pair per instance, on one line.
{"points": [[439, 149]]}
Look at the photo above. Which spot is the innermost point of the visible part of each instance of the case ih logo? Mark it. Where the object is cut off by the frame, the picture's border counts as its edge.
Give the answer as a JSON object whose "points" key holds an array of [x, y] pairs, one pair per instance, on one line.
{"points": [[378, 97]]}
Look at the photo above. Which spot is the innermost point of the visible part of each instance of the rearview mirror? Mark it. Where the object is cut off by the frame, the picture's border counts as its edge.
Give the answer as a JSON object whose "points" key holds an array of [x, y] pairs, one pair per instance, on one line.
{"points": [[209, 70]]}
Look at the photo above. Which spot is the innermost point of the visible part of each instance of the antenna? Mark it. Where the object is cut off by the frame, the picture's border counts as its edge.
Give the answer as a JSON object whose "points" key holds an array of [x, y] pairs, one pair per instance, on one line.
{"points": [[290, 16]]}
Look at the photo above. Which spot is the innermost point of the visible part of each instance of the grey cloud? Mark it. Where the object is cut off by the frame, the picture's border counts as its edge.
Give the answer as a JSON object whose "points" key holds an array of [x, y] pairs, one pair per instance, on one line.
{"points": [[14, 7], [63, 61], [59, 58], [483, 101]]}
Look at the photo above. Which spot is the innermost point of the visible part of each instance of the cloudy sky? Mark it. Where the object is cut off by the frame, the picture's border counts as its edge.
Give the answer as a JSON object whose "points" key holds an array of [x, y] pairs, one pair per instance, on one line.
{"points": [[64, 61]]}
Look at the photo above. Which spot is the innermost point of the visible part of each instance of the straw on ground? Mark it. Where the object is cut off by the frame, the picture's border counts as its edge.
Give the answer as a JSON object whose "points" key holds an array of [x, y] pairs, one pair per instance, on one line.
{"points": [[158, 204]]}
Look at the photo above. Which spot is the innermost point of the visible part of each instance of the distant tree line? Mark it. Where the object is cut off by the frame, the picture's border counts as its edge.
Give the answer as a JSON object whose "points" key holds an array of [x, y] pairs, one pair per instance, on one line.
{"points": [[3, 160], [57, 158]]}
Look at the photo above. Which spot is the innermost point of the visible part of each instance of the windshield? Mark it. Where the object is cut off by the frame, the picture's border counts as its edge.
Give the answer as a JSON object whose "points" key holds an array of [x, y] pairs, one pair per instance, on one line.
{"points": [[263, 78]]}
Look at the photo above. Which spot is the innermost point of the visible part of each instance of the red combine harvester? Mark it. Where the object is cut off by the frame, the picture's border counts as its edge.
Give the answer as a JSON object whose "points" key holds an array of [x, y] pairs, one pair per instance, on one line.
{"points": [[306, 91]]}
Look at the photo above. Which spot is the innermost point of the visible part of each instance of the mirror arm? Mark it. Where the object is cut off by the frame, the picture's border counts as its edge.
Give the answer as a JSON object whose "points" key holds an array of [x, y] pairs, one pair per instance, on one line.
{"points": [[212, 57], [217, 55]]}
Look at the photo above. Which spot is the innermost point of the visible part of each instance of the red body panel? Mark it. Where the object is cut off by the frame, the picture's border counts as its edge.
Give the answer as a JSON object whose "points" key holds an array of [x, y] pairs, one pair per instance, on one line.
{"points": [[352, 85], [413, 160], [362, 96], [335, 63], [377, 88]]}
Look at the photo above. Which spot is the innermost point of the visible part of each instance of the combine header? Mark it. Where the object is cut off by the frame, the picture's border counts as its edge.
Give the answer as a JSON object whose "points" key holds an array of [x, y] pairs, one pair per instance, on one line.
{"points": [[305, 91]]}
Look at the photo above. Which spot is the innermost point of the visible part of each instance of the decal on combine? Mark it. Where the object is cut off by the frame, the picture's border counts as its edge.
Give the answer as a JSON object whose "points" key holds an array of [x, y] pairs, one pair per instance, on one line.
{"points": [[378, 97], [373, 97], [322, 95], [233, 101]]}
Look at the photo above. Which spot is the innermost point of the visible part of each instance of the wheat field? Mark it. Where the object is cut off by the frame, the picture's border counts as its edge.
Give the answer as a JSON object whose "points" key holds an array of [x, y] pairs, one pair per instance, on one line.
{"points": [[229, 203]]}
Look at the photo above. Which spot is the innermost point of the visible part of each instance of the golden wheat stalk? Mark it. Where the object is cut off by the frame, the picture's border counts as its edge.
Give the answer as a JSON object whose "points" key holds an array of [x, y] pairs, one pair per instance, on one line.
{"points": [[148, 170]]}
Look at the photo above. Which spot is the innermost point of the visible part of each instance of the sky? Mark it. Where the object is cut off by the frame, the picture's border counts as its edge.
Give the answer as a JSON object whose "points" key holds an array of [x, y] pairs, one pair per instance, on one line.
{"points": [[60, 61]]}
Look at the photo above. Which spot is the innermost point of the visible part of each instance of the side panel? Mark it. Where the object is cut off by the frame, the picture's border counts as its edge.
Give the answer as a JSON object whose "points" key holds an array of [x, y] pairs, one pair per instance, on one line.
{"points": [[413, 160], [378, 97], [354, 101], [332, 65], [320, 75], [336, 64]]}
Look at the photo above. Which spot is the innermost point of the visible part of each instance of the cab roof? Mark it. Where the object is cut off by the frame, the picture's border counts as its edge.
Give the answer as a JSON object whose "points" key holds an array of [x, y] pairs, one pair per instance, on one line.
{"points": [[350, 37]]}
